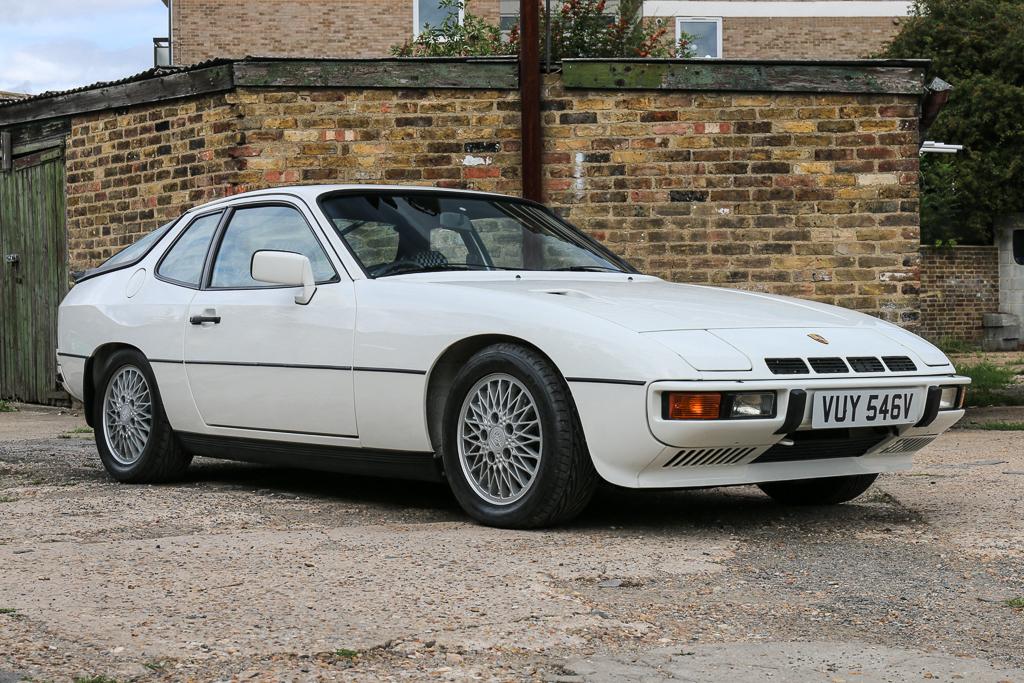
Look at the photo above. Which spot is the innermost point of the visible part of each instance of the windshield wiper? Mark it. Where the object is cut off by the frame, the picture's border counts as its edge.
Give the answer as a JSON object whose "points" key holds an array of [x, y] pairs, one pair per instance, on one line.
{"points": [[589, 269], [406, 270]]}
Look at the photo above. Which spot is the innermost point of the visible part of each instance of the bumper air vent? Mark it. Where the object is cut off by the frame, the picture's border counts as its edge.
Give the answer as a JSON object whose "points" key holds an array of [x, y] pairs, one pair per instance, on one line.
{"points": [[828, 365], [786, 366], [694, 457], [908, 445], [821, 444], [899, 364], [866, 364]]}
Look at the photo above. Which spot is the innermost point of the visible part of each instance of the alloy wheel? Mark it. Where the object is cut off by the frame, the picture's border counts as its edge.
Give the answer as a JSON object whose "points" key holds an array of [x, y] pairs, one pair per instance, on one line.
{"points": [[127, 415], [500, 439]]}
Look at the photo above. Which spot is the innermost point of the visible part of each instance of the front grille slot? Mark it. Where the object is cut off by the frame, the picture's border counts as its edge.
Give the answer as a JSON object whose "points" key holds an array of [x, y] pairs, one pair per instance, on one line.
{"points": [[786, 366], [822, 444], [828, 365], [866, 364], [899, 364], [696, 457], [909, 445]]}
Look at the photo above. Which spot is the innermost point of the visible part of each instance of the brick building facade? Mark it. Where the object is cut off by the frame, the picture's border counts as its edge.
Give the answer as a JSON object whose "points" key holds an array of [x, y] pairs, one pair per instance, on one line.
{"points": [[751, 29], [212, 29], [806, 37]]}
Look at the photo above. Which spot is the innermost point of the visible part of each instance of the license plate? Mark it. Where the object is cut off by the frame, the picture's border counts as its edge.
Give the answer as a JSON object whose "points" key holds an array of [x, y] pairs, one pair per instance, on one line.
{"points": [[866, 407]]}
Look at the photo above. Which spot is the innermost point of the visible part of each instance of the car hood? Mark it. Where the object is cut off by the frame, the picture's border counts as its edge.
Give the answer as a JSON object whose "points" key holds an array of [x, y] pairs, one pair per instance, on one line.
{"points": [[717, 329], [648, 304]]}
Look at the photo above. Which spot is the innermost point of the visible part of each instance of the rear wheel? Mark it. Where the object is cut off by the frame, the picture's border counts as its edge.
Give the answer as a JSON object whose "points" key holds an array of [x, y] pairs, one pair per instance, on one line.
{"points": [[829, 491], [133, 436], [513, 452]]}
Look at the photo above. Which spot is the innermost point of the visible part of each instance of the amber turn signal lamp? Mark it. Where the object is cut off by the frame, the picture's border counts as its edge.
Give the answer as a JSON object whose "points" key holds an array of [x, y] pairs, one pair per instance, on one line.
{"points": [[693, 406]]}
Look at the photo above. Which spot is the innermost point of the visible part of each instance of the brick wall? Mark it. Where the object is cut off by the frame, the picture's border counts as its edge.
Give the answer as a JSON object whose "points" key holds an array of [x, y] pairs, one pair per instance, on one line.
{"points": [[208, 29], [806, 37], [807, 195], [128, 173], [801, 194], [958, 286]]}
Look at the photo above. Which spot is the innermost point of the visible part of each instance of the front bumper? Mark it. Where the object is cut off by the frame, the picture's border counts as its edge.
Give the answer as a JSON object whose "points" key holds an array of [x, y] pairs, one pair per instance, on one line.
{"points": [[692, 453]]}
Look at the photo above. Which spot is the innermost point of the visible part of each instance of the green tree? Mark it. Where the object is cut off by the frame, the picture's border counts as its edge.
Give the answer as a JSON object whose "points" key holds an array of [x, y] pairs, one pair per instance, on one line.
{"points": [[978, 46], [579, 28]]}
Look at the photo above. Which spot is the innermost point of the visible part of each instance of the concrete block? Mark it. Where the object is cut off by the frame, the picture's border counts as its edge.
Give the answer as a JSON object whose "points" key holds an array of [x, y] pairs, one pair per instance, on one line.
{"points": [[1000, 320]]}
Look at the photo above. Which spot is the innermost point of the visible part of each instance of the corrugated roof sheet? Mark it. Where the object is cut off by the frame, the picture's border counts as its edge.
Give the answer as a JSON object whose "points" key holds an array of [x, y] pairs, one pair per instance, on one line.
{"points": [[141, 76]]}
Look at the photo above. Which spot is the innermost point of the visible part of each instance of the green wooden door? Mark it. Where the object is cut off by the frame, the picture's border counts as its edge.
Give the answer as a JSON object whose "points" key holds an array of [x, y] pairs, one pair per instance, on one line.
{"points": [[33, 276]]}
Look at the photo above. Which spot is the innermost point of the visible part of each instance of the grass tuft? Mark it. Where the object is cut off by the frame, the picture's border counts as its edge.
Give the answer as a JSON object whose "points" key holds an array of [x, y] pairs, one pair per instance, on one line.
{"points": [[95, 679], [999, 426], [346, 653], [7, 499], [952, 345], [1016, 603], [76, 433], [6, 407], [8, 610], [991, 385]]}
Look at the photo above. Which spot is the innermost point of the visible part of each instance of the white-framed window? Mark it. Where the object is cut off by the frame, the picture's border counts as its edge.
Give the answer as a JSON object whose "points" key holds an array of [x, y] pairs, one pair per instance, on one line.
{"points": [[706, 33], [430, 12]]}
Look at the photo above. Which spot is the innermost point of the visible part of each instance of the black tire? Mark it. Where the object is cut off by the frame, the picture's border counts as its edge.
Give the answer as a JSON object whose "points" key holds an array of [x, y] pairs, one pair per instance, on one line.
{"points": [[828, 491], [162, 458], [565, 478]]}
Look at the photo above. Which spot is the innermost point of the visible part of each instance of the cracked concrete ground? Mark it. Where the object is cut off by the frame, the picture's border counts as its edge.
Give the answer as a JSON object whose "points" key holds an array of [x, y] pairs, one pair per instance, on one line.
{"points": [[245, 573]]}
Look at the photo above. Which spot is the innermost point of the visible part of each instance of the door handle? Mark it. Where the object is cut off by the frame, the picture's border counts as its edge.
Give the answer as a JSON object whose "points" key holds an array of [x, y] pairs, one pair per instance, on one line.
{"points": [[200, 319]]}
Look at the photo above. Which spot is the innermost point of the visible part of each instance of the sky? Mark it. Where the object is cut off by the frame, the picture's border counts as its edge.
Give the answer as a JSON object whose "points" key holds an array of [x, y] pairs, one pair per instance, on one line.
{"points": [[62, 44]]}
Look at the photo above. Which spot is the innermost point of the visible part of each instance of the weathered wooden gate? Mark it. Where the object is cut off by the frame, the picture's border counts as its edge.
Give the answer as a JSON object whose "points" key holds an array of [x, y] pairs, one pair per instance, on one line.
{"points": [[33, 275]]}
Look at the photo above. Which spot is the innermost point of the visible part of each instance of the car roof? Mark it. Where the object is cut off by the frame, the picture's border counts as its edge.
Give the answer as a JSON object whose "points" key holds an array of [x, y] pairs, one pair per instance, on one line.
{"points": [[310, 193]]}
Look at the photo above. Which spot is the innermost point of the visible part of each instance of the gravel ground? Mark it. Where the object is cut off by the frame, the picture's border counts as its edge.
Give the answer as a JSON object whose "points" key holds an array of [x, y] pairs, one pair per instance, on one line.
{"points": [[247, 573]]}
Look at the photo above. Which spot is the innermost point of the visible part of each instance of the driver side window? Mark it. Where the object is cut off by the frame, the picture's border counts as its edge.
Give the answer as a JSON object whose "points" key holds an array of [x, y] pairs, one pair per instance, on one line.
{"points": [[258, 228]]}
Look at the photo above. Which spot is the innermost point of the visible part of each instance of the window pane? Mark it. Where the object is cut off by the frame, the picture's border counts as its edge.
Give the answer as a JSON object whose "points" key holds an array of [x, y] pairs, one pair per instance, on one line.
{"points": [[373, 243], [1018, 246], [433, 14], [184, 262], [705, 37], [134, 251], [449, 244], [395, 233], [275, 228]]}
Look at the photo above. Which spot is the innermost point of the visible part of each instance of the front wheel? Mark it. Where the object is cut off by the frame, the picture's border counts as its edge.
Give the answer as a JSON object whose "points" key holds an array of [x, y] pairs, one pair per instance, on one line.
{"points": [[828, 491], [133, 436], [513, 451]]}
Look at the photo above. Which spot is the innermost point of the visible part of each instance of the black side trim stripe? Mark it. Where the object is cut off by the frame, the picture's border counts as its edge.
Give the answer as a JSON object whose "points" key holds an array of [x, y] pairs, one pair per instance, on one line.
{"points": [[297, 366], [598, 380], [246, 364], [72, 355], [286, 431], [398, 370]]}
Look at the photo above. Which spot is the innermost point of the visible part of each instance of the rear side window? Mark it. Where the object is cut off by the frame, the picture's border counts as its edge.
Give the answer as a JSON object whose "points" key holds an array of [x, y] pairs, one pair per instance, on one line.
{"points": [[275, 228], [130, 254], [183, 263]]}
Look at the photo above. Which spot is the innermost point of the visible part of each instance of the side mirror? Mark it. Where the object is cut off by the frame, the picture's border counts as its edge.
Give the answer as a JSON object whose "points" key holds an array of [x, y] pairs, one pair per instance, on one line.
{"points": [[285, 268]]}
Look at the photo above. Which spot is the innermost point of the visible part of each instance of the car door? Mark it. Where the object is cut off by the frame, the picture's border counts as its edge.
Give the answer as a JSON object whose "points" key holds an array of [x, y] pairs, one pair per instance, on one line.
{"points": [[257, 361]]}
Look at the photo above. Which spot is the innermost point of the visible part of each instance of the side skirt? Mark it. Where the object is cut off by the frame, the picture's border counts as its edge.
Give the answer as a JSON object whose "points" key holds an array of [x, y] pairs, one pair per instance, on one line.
{"points": [[366, 462]]}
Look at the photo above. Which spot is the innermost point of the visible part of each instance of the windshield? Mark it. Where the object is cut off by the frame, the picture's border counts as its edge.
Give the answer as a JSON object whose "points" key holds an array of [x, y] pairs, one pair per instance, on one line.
{"points": [[395, 233]]}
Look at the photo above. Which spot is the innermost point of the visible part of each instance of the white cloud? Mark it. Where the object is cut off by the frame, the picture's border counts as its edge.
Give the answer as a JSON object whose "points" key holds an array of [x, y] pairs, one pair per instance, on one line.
{"points": [[41, 11], [62, 44], [69, 64]]}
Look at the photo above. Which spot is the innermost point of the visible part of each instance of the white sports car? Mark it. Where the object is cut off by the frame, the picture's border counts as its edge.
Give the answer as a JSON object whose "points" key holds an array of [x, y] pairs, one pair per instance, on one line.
{"points": [[441, 334]]}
